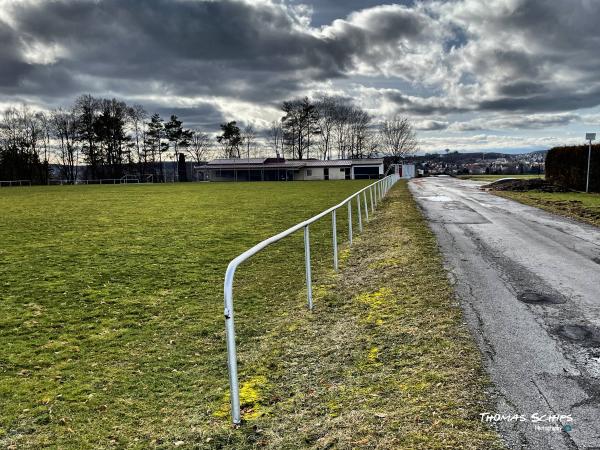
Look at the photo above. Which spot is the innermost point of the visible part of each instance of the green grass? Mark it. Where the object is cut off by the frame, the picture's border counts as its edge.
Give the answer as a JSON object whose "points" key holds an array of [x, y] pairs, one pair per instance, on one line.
{"points": [[383, 362], [112, 329], [111, 313], [576, 205], [497, 177]]}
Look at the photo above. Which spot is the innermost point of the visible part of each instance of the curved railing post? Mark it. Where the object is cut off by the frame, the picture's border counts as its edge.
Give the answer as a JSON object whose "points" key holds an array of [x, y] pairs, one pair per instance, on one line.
{"points": [[234, 392]]}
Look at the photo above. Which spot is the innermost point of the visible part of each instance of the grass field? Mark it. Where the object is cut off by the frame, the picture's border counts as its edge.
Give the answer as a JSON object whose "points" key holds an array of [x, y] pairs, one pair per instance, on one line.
{"points": [[577, 205], [112, 330], [111, 303], [497, 177]]}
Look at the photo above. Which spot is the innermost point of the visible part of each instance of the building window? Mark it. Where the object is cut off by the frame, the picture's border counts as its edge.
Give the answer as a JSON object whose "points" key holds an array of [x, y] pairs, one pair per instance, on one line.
{"points": [[342, 170], [309, 172]]}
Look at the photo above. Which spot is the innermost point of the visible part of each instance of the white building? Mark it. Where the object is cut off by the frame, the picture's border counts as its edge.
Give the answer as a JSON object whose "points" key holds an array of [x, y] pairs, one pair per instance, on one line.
{"points": [[278, 169]]}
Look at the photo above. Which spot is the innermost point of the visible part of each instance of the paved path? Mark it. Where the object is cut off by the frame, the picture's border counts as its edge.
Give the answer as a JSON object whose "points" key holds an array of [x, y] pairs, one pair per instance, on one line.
{"points": [[529, 283]]}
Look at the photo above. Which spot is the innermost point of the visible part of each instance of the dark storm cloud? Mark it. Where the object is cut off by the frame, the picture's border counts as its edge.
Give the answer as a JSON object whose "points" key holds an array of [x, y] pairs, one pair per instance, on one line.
{"points": [[229, 48], [505, 56], [533, 55], [204, 116], [206, 44], [12, 67]]}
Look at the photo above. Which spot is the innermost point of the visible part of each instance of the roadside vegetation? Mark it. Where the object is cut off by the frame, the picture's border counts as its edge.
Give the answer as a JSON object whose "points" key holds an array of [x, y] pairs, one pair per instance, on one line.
{"points": [[576, 205], [384, 361]]}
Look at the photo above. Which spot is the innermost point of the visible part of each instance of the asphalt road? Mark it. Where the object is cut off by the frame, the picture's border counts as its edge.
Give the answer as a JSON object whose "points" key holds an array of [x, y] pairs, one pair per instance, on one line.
{"points": [[529, 284]]}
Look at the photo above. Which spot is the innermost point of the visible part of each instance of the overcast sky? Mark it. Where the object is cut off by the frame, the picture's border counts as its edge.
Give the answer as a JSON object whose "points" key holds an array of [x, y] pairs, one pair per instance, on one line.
{"points": [[472, 74]]}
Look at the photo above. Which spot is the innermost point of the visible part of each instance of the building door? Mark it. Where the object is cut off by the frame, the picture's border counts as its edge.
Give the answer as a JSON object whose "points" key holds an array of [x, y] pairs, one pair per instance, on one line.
{"points": [[347, 173], [326, 173]]}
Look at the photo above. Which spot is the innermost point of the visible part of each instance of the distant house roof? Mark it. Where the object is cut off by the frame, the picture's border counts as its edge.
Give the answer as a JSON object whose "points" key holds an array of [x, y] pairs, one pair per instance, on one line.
{"points": [[280, 163], [236, 161]]}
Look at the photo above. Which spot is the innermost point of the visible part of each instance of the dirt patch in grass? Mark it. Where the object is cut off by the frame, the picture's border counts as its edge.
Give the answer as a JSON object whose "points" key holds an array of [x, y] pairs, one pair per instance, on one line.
{"points": [[384, 360], [498, 177], [576, 205], [536, 184]]}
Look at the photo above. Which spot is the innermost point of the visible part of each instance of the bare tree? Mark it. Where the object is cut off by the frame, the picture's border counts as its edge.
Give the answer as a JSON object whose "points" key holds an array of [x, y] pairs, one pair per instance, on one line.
{"points": [[248, 138], [21, 134], [275, 137], [137, 118], [200, 146], [327, 114], [398, 137], [64, 127]]}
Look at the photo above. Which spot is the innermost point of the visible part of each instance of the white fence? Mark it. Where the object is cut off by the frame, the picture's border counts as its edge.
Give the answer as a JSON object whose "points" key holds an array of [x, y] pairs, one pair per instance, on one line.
{"points": [[15, 183], [123, 180], [375, 192]]}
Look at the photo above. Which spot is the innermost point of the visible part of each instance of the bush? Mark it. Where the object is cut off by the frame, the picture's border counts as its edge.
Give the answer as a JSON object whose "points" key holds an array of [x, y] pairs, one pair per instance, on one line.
{"points": [[567, 166]]}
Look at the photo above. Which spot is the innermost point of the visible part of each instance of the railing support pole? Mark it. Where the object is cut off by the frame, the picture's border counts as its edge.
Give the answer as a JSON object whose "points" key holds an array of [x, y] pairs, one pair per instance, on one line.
{"points": [[307, 263], [372, 204], [234, 391], [359, 213], [374, 193], [350, 222], [335, 250], [366, 206]]}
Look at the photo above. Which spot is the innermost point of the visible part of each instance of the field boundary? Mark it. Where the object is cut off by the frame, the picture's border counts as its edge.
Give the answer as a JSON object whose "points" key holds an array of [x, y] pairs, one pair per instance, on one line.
{"points": [[377, 192]]}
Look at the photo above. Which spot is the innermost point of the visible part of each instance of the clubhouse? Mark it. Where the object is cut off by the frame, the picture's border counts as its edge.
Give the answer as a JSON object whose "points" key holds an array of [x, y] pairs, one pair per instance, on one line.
{"points": [[278, 169]]}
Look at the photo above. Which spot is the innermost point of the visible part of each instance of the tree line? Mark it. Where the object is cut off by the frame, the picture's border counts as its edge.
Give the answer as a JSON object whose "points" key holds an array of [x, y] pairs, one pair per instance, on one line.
{"points": [[95, 138], [327, 128], [98, 138]]}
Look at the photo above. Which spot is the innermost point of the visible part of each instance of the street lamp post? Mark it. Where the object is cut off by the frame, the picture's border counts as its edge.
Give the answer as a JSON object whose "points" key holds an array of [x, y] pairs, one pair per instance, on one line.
{"points": [[589, 137]]}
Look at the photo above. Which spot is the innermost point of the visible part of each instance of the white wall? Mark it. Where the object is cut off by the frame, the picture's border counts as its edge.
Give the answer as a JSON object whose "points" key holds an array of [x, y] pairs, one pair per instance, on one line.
{"points": [[337, 173]]}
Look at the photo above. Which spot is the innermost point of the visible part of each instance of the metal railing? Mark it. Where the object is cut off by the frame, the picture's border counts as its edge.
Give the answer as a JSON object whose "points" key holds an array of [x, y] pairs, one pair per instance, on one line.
{"points": [[15, 183], [376, 192]]}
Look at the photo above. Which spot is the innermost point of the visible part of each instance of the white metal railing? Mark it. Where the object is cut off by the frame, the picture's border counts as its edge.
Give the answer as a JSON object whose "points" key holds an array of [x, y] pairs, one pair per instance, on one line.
{"points": [[376, 192], [15, 183], [122, 180]]}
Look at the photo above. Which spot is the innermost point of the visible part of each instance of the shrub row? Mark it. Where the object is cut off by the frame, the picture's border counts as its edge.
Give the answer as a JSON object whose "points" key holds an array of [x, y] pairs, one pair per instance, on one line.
{"points": [[567, 166]]}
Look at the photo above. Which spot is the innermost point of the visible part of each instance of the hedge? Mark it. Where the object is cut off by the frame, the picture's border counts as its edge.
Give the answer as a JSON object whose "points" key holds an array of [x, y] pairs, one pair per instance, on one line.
{"points": [[567, 166]]}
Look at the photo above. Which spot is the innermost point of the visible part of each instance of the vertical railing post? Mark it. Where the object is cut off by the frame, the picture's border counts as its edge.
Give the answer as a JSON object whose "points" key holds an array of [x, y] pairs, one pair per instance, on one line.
{"points": [[350, 222], [335, 251], [307, 263], [372, 204], [359, 213], [234, 392], [374, 191], [366, 206]]}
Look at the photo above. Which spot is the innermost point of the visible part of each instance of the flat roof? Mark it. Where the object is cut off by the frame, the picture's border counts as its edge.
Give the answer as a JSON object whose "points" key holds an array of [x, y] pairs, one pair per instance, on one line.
{"points": [[265, 163]]}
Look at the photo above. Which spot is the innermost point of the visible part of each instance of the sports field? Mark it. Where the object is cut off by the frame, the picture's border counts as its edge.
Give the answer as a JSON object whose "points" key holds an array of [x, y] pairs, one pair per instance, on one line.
{"points": [[111, 310], [111, 323]]}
